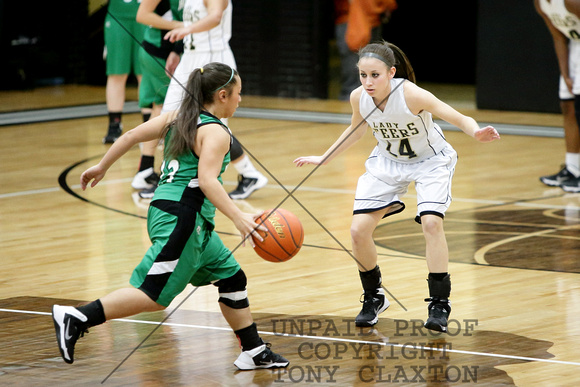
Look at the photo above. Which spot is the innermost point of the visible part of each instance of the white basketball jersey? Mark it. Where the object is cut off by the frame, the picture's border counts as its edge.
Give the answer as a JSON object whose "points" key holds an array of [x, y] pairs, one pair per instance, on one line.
{"points": [[403, 136], [566, 22], [213, 40]]}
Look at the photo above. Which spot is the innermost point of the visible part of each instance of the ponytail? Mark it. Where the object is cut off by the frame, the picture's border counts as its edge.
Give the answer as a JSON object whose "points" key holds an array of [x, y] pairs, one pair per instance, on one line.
{"points": [[202, 86]]}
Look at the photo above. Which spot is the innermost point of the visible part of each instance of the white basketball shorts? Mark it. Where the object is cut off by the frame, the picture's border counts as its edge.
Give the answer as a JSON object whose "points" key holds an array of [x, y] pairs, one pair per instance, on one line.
{"points": [[386, 181]]}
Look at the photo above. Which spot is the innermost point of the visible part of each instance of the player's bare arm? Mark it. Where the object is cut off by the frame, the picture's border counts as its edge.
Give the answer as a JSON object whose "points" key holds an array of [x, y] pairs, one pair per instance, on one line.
{"points": [[211, 144]]}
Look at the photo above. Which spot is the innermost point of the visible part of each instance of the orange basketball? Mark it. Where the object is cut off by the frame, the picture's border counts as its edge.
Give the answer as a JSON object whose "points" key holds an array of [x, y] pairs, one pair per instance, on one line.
{"points": [[284, 238]]}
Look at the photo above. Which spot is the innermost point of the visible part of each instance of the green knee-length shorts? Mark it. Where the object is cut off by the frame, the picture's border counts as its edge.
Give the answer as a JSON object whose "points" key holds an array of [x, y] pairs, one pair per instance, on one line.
{"points": [[185, 250]]}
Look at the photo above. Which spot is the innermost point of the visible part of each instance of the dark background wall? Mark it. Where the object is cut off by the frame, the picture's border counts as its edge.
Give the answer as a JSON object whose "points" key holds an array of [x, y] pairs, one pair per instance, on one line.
{"points": [[516, 67], [282, 47], [439, 38], [42, 42]]}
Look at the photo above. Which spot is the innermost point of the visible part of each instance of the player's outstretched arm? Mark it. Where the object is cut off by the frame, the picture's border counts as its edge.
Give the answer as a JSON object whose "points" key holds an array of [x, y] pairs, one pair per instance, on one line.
{"points": [[349, 137], [147, 131]]}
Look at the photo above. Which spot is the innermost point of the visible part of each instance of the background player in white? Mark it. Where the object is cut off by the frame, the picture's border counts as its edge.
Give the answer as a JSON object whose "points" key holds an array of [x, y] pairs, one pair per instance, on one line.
{"points": [[206, 34], [411, 148], [561, 17]]}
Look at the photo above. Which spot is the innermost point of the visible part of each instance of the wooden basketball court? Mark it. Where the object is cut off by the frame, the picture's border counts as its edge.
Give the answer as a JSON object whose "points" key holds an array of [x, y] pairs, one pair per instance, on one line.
{"points": [[514, 245]]}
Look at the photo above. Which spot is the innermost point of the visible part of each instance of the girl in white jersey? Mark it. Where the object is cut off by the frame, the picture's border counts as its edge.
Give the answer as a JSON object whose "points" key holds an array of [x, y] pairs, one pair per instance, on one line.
{"points": [[206, 33], [411, 148]]}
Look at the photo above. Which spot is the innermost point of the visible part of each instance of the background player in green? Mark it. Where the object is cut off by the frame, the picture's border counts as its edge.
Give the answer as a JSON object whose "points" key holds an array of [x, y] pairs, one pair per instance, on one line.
{"points": [[159, 58], [185, 248], [122, 37]]}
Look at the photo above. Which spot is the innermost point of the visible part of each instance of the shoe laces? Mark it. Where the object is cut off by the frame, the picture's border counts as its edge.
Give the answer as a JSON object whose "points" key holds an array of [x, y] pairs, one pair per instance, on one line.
{"points": [[368, 300], [267, 354], [438, 306]]}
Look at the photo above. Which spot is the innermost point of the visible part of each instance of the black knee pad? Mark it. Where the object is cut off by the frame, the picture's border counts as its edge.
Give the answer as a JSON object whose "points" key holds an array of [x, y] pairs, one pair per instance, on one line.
{"points": [[233, 291], [236, 150]]}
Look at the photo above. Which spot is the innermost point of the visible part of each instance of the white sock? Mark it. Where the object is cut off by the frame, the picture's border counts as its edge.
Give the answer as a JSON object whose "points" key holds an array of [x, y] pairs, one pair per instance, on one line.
{"points": [[573, 163], [246, 168]]}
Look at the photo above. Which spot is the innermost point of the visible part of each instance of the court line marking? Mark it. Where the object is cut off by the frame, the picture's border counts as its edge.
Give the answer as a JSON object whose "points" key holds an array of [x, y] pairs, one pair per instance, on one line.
{"points": [[479, 255], [321, 338], [304, 189]]}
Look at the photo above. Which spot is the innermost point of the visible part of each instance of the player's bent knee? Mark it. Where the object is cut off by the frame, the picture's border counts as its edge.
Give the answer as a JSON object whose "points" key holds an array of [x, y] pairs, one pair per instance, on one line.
{"points": [[233, 291], [431, 221]]}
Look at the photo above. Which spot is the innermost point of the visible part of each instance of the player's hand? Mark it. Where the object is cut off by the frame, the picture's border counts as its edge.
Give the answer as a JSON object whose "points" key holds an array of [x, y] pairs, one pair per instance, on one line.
{"points": [[486, 134], [95, 174], [300, 161], [177, 34], [248, 228]]}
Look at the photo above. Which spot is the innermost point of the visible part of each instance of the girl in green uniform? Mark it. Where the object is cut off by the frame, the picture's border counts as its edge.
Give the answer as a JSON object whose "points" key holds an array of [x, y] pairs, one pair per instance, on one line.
{"points": [[185, 248]]}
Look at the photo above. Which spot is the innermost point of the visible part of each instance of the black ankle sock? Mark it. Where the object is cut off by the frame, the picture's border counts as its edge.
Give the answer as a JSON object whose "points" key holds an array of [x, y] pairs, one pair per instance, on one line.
{"points": [[249, 337], [115, 118], [94, 312], [371, 280], [146, 116], [437, 276], [146, 162]]}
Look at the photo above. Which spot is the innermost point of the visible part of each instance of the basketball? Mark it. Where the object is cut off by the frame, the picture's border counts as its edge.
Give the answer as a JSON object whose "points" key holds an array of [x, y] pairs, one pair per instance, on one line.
{"points": [[284, 238]]}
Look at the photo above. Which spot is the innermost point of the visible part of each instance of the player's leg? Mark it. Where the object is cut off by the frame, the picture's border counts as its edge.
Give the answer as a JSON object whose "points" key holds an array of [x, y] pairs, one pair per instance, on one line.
{"points": [[439, 280], [118, 51], [115, 95], [235, 307], [572, 134], [377, 195], [146, 178], [572, 137], [220, 268], [571, 168], [71, 323], [157, 280], [364, 250], [433, 185]]}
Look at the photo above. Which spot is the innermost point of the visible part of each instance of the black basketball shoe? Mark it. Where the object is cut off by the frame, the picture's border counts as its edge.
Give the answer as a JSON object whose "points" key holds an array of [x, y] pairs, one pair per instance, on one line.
{"points": [[557, 179], [374, 303], [69, 324], [260, 357], [439, 311]]}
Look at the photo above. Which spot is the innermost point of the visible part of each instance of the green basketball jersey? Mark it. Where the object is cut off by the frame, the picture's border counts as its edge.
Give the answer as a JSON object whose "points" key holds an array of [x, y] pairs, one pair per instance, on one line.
{"points": [[178, 181], [124, 8]]}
